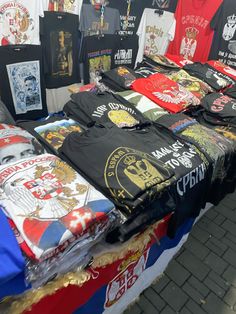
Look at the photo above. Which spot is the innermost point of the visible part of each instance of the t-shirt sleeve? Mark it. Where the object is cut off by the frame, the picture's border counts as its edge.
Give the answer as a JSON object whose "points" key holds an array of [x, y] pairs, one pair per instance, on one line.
{"points": [[141, 32], [171, 33], [82, 20], [216, 18], [117, 21]]}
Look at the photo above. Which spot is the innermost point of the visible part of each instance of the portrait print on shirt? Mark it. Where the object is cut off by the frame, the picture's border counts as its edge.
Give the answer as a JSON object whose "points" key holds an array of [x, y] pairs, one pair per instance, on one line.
{"points": [[62, 59], [24, 81]]}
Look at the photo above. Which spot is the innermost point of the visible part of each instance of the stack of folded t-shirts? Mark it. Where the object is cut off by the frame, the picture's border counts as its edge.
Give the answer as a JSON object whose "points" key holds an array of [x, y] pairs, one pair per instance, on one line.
{"points": [[220, 151], [119, 79], [144, 171], [57, 214], [165, 92]]}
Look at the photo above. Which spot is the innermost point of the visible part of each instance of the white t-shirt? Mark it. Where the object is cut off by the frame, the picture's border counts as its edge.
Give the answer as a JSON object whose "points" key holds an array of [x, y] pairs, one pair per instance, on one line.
{"points": [[69, 6], [155, 32], [19, 21]]}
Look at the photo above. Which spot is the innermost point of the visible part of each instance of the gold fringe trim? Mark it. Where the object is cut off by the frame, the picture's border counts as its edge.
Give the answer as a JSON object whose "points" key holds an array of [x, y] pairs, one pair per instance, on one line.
{"points": [[34, 296], [136, 244]]}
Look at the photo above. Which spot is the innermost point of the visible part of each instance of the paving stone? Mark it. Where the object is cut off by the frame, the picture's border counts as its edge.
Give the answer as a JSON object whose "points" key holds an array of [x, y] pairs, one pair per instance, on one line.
{"points": [[154, 298], [194, 294], [194, 265], [231, 237], [177, 272], [184, 311], [219, 280], [134, 309], [226, 212], [146, 306], [196, 247], [229, 243], [230, 297], [194, 308], [167, 310], [160, 285], [219, 219], [228, 202], [200, 234], [213, 229], [230, 256], [211, 213], [214, 287], [199, 286], [174, 296], [216, 263], [229, 226], [230, 275], [216, 246], [215, 305]]}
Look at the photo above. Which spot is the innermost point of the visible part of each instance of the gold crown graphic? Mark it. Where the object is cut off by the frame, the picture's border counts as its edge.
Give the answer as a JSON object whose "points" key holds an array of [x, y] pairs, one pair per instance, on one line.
{"points": [[129, 160], [192, 31], [231, 19]]}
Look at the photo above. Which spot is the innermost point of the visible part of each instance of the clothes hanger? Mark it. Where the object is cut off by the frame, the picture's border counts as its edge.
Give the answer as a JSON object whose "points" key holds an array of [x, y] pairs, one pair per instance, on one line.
{"points": [[160, 12]]}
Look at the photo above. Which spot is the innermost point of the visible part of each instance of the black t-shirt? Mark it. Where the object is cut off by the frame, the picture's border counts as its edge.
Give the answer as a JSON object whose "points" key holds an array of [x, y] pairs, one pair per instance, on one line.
{"points": [[88, 108], [51, 132], [60, 41], [231, 91], [126, 52], [208, 74], [97, 55], [224, 43], [5, 116], [220, 107], [167, 5], [219, 150], [130, 167], [22, 85], [122, 77]]}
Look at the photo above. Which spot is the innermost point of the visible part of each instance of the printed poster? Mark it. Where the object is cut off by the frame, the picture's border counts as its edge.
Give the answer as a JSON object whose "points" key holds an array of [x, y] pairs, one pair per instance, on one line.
{"points": [[24, 78]]}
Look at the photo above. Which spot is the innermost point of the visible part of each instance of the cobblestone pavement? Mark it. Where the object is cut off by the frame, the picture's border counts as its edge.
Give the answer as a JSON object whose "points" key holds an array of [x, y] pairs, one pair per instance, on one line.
{"points": [[202, 276]]}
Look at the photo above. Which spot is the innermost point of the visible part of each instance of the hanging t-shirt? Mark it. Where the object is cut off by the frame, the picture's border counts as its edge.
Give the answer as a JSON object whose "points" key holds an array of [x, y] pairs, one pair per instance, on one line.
{"points": [[155, 32], [90, 21], [165, 92], [167, 5], [221, 67], [148, 108], [60, 41], [221, 107], [72, 6], [191, 83], [126, 53], [5, 116], [89, 108], [52, 131], [50, 203], [22, 86], [19, 21], [193, 36], [16, 144], [97, 56], [211, 76], [224, 42]]}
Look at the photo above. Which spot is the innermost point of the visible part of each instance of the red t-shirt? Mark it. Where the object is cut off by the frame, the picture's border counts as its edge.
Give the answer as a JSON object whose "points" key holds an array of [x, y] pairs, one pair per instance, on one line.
{"points": [[165, 92], [223, 68], [193, 35], [179, 60]]}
